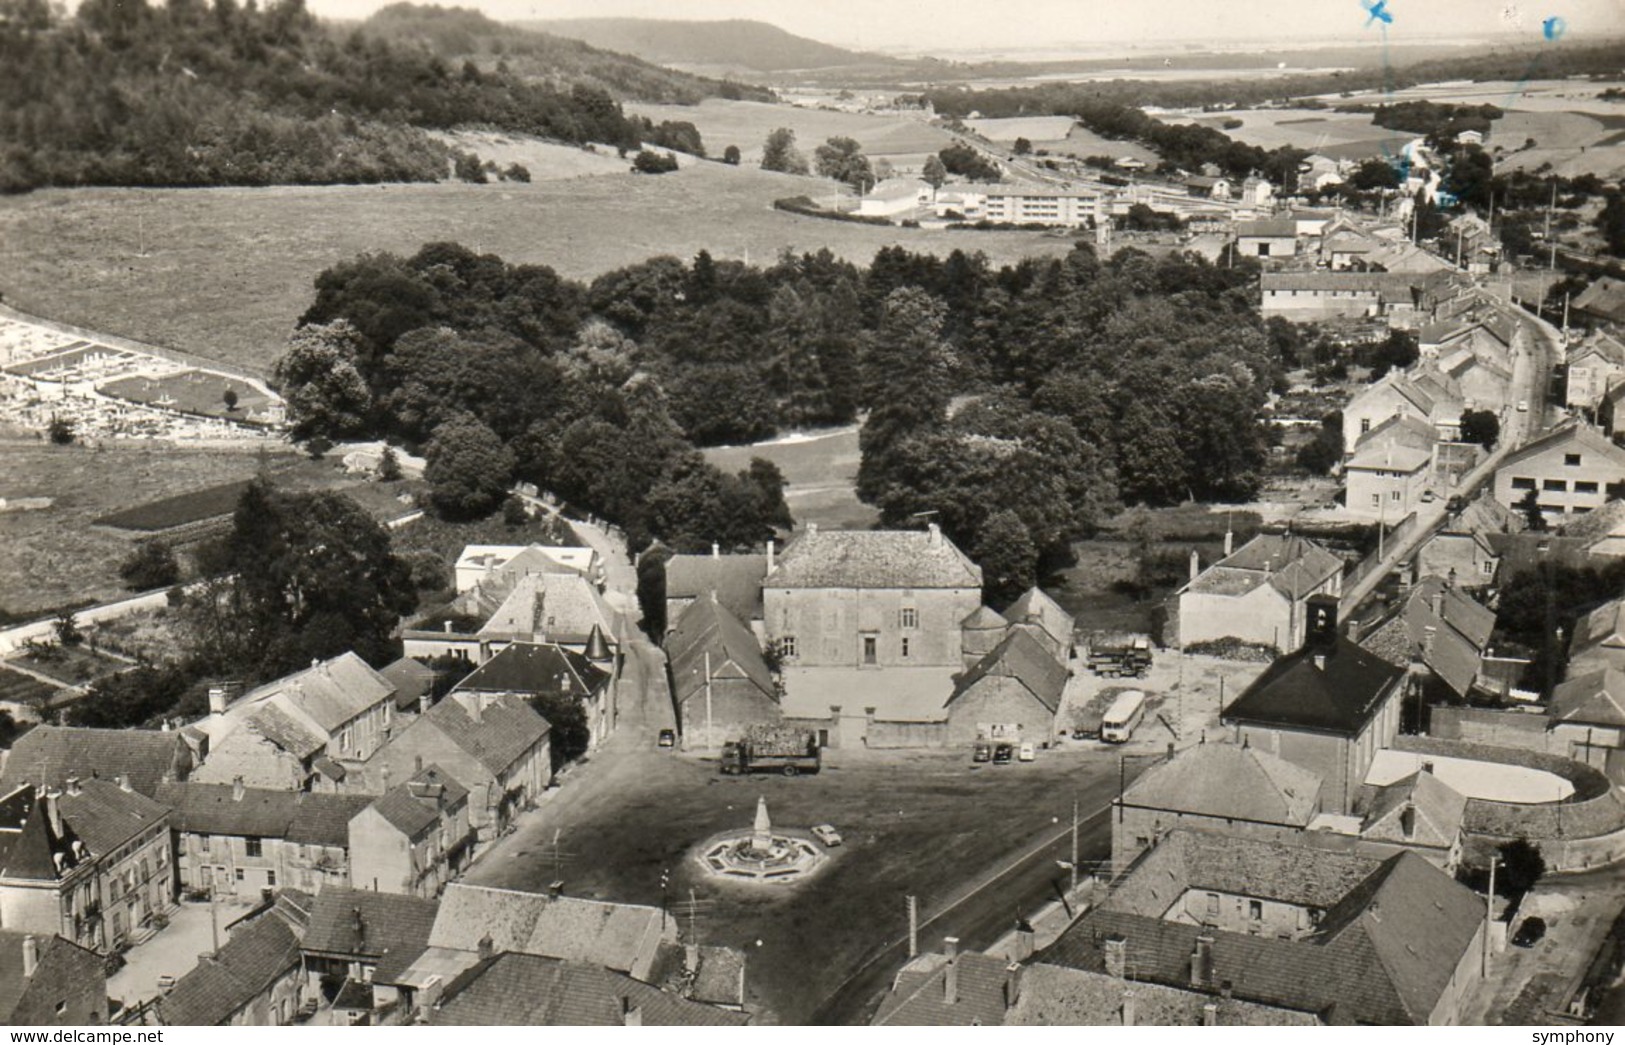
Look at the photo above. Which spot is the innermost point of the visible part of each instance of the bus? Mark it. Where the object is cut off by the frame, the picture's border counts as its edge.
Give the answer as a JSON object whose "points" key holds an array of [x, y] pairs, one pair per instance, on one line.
{"points": [[1117, 725]]}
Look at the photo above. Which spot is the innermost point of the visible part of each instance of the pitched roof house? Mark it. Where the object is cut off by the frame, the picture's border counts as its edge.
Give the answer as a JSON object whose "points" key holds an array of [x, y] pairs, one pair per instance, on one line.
{"points": [[480, 563], [736, 580], [739, 691], [1595, 699], [366, 935], [415, 838], [48, 755], [625, 938], [1259, 593], [1604, 299], [546, 670], [1571, 470], [1421, 813], [1439, 626], [1348, 938], [529, 990], [1048, 620], [1012, 693], [254, 980], [48, 981]]}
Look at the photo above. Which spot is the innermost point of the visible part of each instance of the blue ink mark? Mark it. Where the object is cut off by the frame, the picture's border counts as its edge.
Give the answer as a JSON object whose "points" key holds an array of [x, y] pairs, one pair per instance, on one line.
{"points": [[1378, 10], [1554, 27]]}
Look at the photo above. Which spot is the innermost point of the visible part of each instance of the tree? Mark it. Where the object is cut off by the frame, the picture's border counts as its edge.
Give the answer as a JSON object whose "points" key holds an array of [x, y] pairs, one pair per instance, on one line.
{"points": [[646, 162], [934, 173], [1321, 454], [151, 565], [59, 431], [1529, 505], [514, 514], [517, 172], [965, 161], [1007, 556], [1611, 222], [389, 466], [1480, 426], [468, 468], [730, 155], [906, 382], [652, 589], [230, 399], [779, 153], [570, 734], [130, 699], [67, 630], [842, 159], [1521, 867], [467, 167], [319, 378], [1022, 147]]}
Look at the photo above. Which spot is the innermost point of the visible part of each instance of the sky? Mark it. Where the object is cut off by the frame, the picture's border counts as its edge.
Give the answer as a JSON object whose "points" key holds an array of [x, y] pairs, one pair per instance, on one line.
{"points": [[945, 25]]}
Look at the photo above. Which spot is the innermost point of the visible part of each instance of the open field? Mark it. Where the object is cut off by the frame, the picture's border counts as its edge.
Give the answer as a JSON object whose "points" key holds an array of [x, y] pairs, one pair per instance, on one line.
{"points": [[225, 273], [819, 472], [921, 822], [18, 688], [1059, 134], [1343, 136], [747, 125], [546, 161], [209, 502], [192, 391]]}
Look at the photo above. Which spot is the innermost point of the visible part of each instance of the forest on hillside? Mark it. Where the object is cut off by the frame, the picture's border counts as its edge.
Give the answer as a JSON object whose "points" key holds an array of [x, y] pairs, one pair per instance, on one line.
{"points": [[188, 94], [1087, 383]]}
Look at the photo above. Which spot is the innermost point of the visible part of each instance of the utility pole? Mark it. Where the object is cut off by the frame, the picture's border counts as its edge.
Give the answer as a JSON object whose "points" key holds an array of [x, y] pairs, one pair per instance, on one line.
{"points": [[710, 740], [1122, 773], [1075, 841], [1489, 916], [913, 927], [665, 893], [214, 918]]}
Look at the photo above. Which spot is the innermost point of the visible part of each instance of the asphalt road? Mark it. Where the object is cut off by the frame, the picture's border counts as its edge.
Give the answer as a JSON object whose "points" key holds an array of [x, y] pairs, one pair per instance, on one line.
{"points": [[977, 920]]}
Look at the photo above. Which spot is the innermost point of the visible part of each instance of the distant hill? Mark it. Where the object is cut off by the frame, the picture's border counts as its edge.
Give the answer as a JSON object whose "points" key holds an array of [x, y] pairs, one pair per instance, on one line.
{"points": [[737, 43], [456, 34]]}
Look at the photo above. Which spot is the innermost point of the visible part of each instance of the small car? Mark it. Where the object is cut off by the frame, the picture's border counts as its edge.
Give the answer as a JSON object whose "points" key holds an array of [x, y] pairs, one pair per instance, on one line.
{"points": [[166, 982], [1080, 734], [827, 834], [982, 753], [1523, 406], [1529, 933], [1002, 754], [1027, 752], [667, 738]]}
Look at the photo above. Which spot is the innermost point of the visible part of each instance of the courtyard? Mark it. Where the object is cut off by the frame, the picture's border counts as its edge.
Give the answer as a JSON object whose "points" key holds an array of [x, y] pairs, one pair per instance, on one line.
{"points": [[975, 843]]}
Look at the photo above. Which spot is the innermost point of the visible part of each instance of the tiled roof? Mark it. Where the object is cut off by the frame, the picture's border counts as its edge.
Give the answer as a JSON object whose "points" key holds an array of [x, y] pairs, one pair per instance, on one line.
{"points": [[707, 627], [1605, 297], [737, 580], [510, 990], [874, 559], [1295, 693], [259, 953], [919, 997], [1436, 811], [536, 667], [329, 693], [1386, 948], [1599, 523], [51, 754], [104, 816], [389, 928], [283, 730], [507, 728], [554, 607], [1594, 699], [1398, 284], [1442, 625], [302, 817], [416, 804], [1055, 996], [1268, 227], [1293, 565], [1602, 345], [1035, 604], [1571, 434], [1389, 458], [411, 679], [71, 964], [1232, 782], [1022, 657], [1603, 626], [984, 618], [1400, 430], [608, 934]]}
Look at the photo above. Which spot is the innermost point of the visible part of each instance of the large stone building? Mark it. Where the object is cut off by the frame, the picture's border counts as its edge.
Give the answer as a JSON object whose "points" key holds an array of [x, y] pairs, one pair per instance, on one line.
{"points": [[721, 682], [1011, 694], [1571, 470], [868, 623], [415, 839], [1259, 594]]}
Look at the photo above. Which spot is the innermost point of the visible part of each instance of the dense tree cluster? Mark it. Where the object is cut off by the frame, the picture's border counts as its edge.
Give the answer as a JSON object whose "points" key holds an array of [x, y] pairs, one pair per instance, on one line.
{"points": [[188, 93], [966, 162], [843, 159], [1080, 383], [1438, 121]]}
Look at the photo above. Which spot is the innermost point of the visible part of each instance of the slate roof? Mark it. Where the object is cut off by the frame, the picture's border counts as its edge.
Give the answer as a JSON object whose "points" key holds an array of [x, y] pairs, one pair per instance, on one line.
{"points": [[874, 559], [1453, 649], [416, 804], [76, 964], [1437, 810], [1389, 939], [1022, 657], [301, 817], [1594, 699], [51, 754], [609, 934], [736, 579], [259, 953], [536, 667], [390, 929], [508, 727], [1293, 565], [329, 693], [104, 816], [28, 846], [705, 627], [1035, 604], [1268, 228], [919, 998], [1232, 782], [1055, 996], [509, 990], [411, 678], [1294, 694]]}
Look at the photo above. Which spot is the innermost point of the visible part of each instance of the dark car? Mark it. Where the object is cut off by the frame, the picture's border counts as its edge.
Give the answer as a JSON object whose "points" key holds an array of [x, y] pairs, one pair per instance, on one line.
{"points": [[982, 753], [668, 738], [1529, 933], [1003, 753]]}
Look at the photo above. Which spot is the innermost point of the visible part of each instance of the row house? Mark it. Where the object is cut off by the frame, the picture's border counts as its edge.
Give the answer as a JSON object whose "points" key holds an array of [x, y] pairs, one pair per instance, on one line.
{"points": [[90, 863], [1422, 393], [561, 608], [537, 670], [415, 838], [1596, 366], [233, 840]]}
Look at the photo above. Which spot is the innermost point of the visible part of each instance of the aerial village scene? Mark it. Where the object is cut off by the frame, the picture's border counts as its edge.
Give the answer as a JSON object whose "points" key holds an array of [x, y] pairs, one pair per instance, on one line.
{"points": [[730, 513]]}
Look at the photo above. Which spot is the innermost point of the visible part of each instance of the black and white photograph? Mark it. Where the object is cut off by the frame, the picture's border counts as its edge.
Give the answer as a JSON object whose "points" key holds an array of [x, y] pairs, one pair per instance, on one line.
{"points": [[874, 513]]}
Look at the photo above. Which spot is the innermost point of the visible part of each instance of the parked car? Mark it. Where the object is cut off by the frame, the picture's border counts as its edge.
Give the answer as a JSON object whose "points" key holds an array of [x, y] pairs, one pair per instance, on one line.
{"points": [[1002, 754], [1027, 752], [827, 835], [166, 983], [1529, 933], [1523, 406], [1080, 734], [982, 753], [668, 738]]}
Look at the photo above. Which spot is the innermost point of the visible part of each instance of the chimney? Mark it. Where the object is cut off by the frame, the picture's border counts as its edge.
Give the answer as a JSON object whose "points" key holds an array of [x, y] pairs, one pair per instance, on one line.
{"points": [[417, 764], [448, 627], [770, 555], [1024, 940], [950, 971], [716, 550], [691, 957], [1320, 626], [30, 955], [1196, 564], [424, 704], [1354, 631], [485, 948], [812, 529], [217, 700], [1438, 604], [631, 1015], [1116, 948], [1128, 1008], [124, 782], [1229, 542], [555, 889], [73, 785], [51, 803], [476, 708], [315, 662], [1320, 661], [1012, 984], [1202, 962], [1407, 819], [936, 533], [1210, 1014], [237, 789]]}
